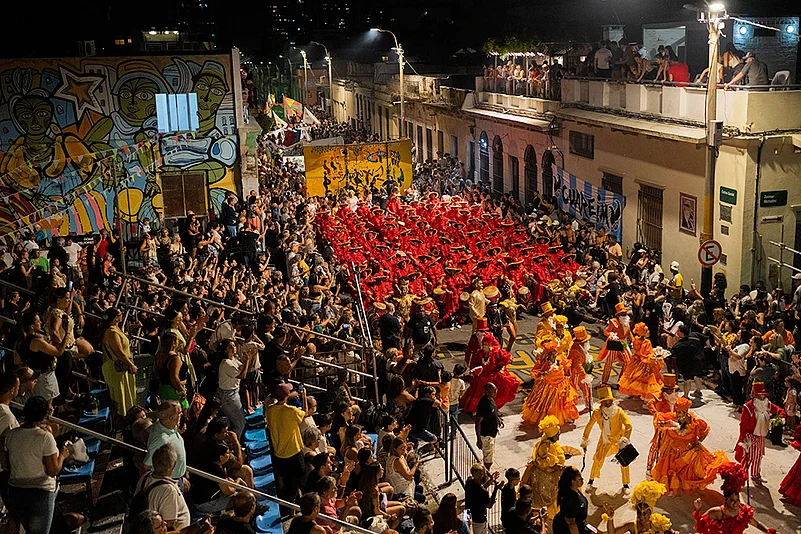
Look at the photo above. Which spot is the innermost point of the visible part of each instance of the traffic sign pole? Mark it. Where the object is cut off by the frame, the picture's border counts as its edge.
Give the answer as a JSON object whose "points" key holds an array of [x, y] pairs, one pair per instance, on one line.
{"points": [[709, 254]]}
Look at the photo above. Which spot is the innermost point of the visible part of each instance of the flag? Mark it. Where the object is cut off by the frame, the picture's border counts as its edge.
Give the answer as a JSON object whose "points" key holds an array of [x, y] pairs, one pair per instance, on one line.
{"points": [[279, 122], [292, 108], [278, 110], [309, 118]]}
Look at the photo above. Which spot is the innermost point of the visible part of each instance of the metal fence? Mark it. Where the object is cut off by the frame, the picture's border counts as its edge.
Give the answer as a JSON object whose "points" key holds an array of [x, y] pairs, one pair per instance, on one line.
{"points": [[460, 455]]}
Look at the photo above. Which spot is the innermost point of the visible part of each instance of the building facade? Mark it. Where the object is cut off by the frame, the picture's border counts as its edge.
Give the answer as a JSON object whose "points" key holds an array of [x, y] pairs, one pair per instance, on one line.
{"points": [[646, 143], [82, 145]]}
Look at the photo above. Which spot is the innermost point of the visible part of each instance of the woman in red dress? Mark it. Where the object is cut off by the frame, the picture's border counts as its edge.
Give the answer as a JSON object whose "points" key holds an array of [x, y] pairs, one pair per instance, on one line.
{"points": [[732, 517], [495, 360], [790, 488]]}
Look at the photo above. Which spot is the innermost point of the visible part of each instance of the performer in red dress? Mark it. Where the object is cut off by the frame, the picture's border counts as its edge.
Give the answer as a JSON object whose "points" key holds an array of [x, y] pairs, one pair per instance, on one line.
{"points": [[754, 426], [790, 488], [618, 337], [732, 517], [493, 369]]}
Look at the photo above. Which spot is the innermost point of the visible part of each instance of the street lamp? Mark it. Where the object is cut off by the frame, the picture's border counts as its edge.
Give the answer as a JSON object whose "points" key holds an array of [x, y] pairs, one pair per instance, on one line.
{"points": [[399, 50], [305, 74], [330, 79], [713, 17]]}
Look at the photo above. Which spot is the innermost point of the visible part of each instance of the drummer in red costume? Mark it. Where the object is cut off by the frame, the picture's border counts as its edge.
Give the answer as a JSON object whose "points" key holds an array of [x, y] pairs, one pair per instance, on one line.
{"points": [[618, 340]]}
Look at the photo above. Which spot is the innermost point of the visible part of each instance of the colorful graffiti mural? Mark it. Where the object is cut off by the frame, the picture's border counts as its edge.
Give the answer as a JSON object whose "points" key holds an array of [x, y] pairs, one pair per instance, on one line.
{"points": [[79, 142]]}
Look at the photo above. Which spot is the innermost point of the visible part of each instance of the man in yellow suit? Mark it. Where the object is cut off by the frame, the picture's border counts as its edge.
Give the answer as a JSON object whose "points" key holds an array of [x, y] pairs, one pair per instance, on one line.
{"points": [[615, 434]]}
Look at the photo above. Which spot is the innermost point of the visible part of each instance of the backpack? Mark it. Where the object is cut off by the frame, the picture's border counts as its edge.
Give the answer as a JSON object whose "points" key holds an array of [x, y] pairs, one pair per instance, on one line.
{"points": [[139, 502]]}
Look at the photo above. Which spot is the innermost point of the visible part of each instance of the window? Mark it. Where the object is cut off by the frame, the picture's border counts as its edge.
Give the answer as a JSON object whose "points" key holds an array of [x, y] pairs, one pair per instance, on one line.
{"points": [[547, 173], [649, 217], [582, 144], [420, 144], [514, 167], [454, 147], [612, 183], [177, 113], [497, 165], [440, 141], [119, 42], [483, 158], [530, 173], [471, 159], [429, 144], [184, 192]]}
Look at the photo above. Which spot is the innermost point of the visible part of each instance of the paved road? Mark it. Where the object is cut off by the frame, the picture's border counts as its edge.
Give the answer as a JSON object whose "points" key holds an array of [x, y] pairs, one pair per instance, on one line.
{"points": [[517, 439]]}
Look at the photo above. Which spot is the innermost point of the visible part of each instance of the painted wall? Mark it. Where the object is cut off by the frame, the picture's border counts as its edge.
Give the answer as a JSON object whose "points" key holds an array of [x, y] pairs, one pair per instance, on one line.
{"points": [[79, 139]]}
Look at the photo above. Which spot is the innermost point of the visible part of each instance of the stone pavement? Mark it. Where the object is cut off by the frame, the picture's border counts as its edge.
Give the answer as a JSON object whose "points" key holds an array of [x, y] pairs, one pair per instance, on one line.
{"points": [[516, 441]]}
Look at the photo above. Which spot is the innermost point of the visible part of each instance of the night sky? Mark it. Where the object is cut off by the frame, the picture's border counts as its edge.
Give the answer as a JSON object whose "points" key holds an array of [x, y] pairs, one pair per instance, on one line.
{"points": [[430, 30]]}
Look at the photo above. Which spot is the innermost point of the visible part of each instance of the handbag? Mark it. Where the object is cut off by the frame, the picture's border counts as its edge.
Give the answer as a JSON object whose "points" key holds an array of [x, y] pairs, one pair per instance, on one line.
{"points": [[626, 455]]}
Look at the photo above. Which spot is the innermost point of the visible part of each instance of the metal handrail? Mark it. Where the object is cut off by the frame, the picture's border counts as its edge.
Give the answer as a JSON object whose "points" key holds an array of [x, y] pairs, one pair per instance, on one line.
{"points": [[195, 471]]}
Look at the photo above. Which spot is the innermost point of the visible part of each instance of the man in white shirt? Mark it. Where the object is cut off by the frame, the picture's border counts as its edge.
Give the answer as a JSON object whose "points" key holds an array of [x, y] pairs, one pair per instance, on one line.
{"points": [[602, 61], [73, 251], [162, 492]]}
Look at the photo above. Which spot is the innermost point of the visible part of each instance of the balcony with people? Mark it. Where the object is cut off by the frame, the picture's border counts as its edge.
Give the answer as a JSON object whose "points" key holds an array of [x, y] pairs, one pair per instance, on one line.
{"points": [[635, 86]]}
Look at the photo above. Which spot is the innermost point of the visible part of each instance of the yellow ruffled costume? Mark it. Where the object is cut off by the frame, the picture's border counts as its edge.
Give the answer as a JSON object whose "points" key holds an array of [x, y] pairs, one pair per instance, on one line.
{"points": [[547, 462]]}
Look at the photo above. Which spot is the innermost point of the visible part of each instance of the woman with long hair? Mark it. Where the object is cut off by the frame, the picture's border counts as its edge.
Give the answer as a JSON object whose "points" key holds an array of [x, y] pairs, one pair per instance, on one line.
{"points": [[35, 352], [230, 373], [572, 516], [446, 518], [400, 475], [374, 502], [172, 370], [119, 369]]}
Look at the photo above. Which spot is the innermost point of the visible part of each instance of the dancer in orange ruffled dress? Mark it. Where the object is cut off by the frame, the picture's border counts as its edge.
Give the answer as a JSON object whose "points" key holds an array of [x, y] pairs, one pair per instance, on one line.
{"points": [[642, 377], [683, 464], [552, 393], [493, 369]]}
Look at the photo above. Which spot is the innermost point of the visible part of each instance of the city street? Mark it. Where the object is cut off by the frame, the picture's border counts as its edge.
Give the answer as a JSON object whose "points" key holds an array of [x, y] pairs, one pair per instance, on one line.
{"points": [[516, 441]]}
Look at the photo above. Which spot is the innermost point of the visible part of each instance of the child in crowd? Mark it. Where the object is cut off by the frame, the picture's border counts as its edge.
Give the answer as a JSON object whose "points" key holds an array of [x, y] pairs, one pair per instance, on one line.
{"points": [[509, 491], [456, 390], [332, 505]]}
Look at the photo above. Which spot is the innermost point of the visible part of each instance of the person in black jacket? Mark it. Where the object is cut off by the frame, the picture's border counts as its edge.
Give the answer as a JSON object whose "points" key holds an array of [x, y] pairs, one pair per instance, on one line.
{"points": [[689, 354]]}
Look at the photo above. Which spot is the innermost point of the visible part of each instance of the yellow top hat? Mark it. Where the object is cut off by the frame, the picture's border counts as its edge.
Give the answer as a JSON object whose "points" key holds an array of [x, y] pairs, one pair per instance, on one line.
{"points": [[546, 308], [549, 426], [605, 393]]}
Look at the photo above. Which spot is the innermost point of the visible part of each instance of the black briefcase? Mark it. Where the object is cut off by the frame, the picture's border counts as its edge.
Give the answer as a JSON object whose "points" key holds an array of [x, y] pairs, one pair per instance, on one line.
{"points": [[626, 455]]}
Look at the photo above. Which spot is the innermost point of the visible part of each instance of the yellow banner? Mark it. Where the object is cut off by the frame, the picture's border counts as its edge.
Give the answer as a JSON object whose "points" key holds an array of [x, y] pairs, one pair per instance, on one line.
{"points": [[329, 168]]}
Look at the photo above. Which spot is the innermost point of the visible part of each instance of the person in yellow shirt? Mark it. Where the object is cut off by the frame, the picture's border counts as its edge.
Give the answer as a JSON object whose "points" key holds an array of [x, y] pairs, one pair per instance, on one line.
{"points": [[676, 283], [615, 429], [283, 424]]}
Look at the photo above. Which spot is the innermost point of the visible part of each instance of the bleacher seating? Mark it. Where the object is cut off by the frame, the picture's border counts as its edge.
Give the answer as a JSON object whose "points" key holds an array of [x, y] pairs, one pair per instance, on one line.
{"points": [[260, 460]]}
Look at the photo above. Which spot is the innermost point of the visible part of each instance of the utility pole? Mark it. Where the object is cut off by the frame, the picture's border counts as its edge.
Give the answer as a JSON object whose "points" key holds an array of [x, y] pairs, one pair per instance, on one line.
{"points": [[714, 130], [330, 79], [398, 50]]}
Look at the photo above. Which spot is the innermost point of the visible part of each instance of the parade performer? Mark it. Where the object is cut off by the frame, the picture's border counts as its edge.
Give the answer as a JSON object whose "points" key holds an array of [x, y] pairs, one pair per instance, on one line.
{"points": [[546, 327], [478, 302], [616, 347], [615, 434], [642, 377], [581, 364], [493, 369], [643, 499], [683, 464], [547, 463], [562, 334], [733, 516], [473, 353], [790, 488], [509, 306], [666, 403], [754, 426], [552, 393]]}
